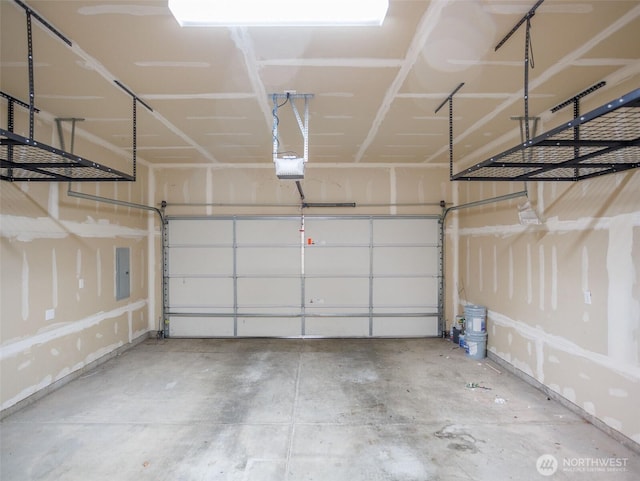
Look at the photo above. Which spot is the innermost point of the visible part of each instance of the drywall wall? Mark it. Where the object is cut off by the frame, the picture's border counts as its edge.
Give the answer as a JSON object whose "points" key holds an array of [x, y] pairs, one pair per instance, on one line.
{"points": [[254, 189], [59, 311], [563, 297]]}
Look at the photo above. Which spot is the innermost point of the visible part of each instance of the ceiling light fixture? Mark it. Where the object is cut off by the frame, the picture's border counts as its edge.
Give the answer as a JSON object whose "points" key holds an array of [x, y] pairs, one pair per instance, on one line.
{"points": [[208, 13]]}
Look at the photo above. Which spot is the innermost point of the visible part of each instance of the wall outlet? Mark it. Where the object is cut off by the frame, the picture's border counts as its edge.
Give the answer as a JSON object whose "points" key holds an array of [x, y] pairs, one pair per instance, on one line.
{"points": [[587, 297], [49, 314], [80, 283]]}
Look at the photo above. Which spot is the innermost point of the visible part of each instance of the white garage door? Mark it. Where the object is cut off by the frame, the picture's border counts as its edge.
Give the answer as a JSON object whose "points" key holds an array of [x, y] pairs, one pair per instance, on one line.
{"points": [[302, 276]]}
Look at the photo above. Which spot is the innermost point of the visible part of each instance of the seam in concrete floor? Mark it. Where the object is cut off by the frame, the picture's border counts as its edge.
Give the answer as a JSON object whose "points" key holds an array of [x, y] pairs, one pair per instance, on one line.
{"points": [[293, 417]]}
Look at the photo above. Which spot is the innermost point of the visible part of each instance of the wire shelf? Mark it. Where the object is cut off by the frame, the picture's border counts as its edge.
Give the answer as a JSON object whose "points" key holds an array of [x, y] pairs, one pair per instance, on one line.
{"points": [[603, 141], [24, 159]]}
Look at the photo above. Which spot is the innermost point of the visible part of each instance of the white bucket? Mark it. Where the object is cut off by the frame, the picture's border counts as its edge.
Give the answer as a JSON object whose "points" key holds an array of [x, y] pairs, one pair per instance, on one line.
{"points": [[475, 318], [476, 344]]}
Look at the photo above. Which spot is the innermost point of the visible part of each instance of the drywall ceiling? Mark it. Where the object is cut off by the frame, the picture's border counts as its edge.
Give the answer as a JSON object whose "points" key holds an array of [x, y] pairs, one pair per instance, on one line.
{"points": [[376, 88]]}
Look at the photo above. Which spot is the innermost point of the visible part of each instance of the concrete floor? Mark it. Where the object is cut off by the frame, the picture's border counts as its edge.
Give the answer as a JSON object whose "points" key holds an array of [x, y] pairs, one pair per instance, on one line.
{"points": [[326, 410]]}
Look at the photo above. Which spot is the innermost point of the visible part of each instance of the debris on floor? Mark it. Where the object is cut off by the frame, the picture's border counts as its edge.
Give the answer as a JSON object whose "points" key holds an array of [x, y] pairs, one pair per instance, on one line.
{"points": [[500, 400], [461, 440], [474, 385]]}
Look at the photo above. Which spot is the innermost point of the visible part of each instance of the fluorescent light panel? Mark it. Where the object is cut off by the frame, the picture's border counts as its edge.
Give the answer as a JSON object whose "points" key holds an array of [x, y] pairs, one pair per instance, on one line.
{"points": [[203, 13]]}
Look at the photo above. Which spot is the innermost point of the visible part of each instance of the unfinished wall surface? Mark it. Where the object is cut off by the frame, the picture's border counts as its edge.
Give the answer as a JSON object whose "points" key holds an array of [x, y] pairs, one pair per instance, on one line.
{"points": [[250, 189], [563, 297], [59, 311]]}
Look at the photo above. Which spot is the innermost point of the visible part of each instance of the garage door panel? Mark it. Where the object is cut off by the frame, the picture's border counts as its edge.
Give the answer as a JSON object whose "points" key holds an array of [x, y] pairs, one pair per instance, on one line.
{"points": [[405, 261], [200, 326], [269, 292], [405, 326], [406, 310], [190, 261], [331, 292], [269, 327], [337, 326], [200, 232], [338, 231], [270, 311], [338, 261], [268, 231], [405, 231], [272, 261], [200, 292], [336, 311], [182, 311], [416, 292]]}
